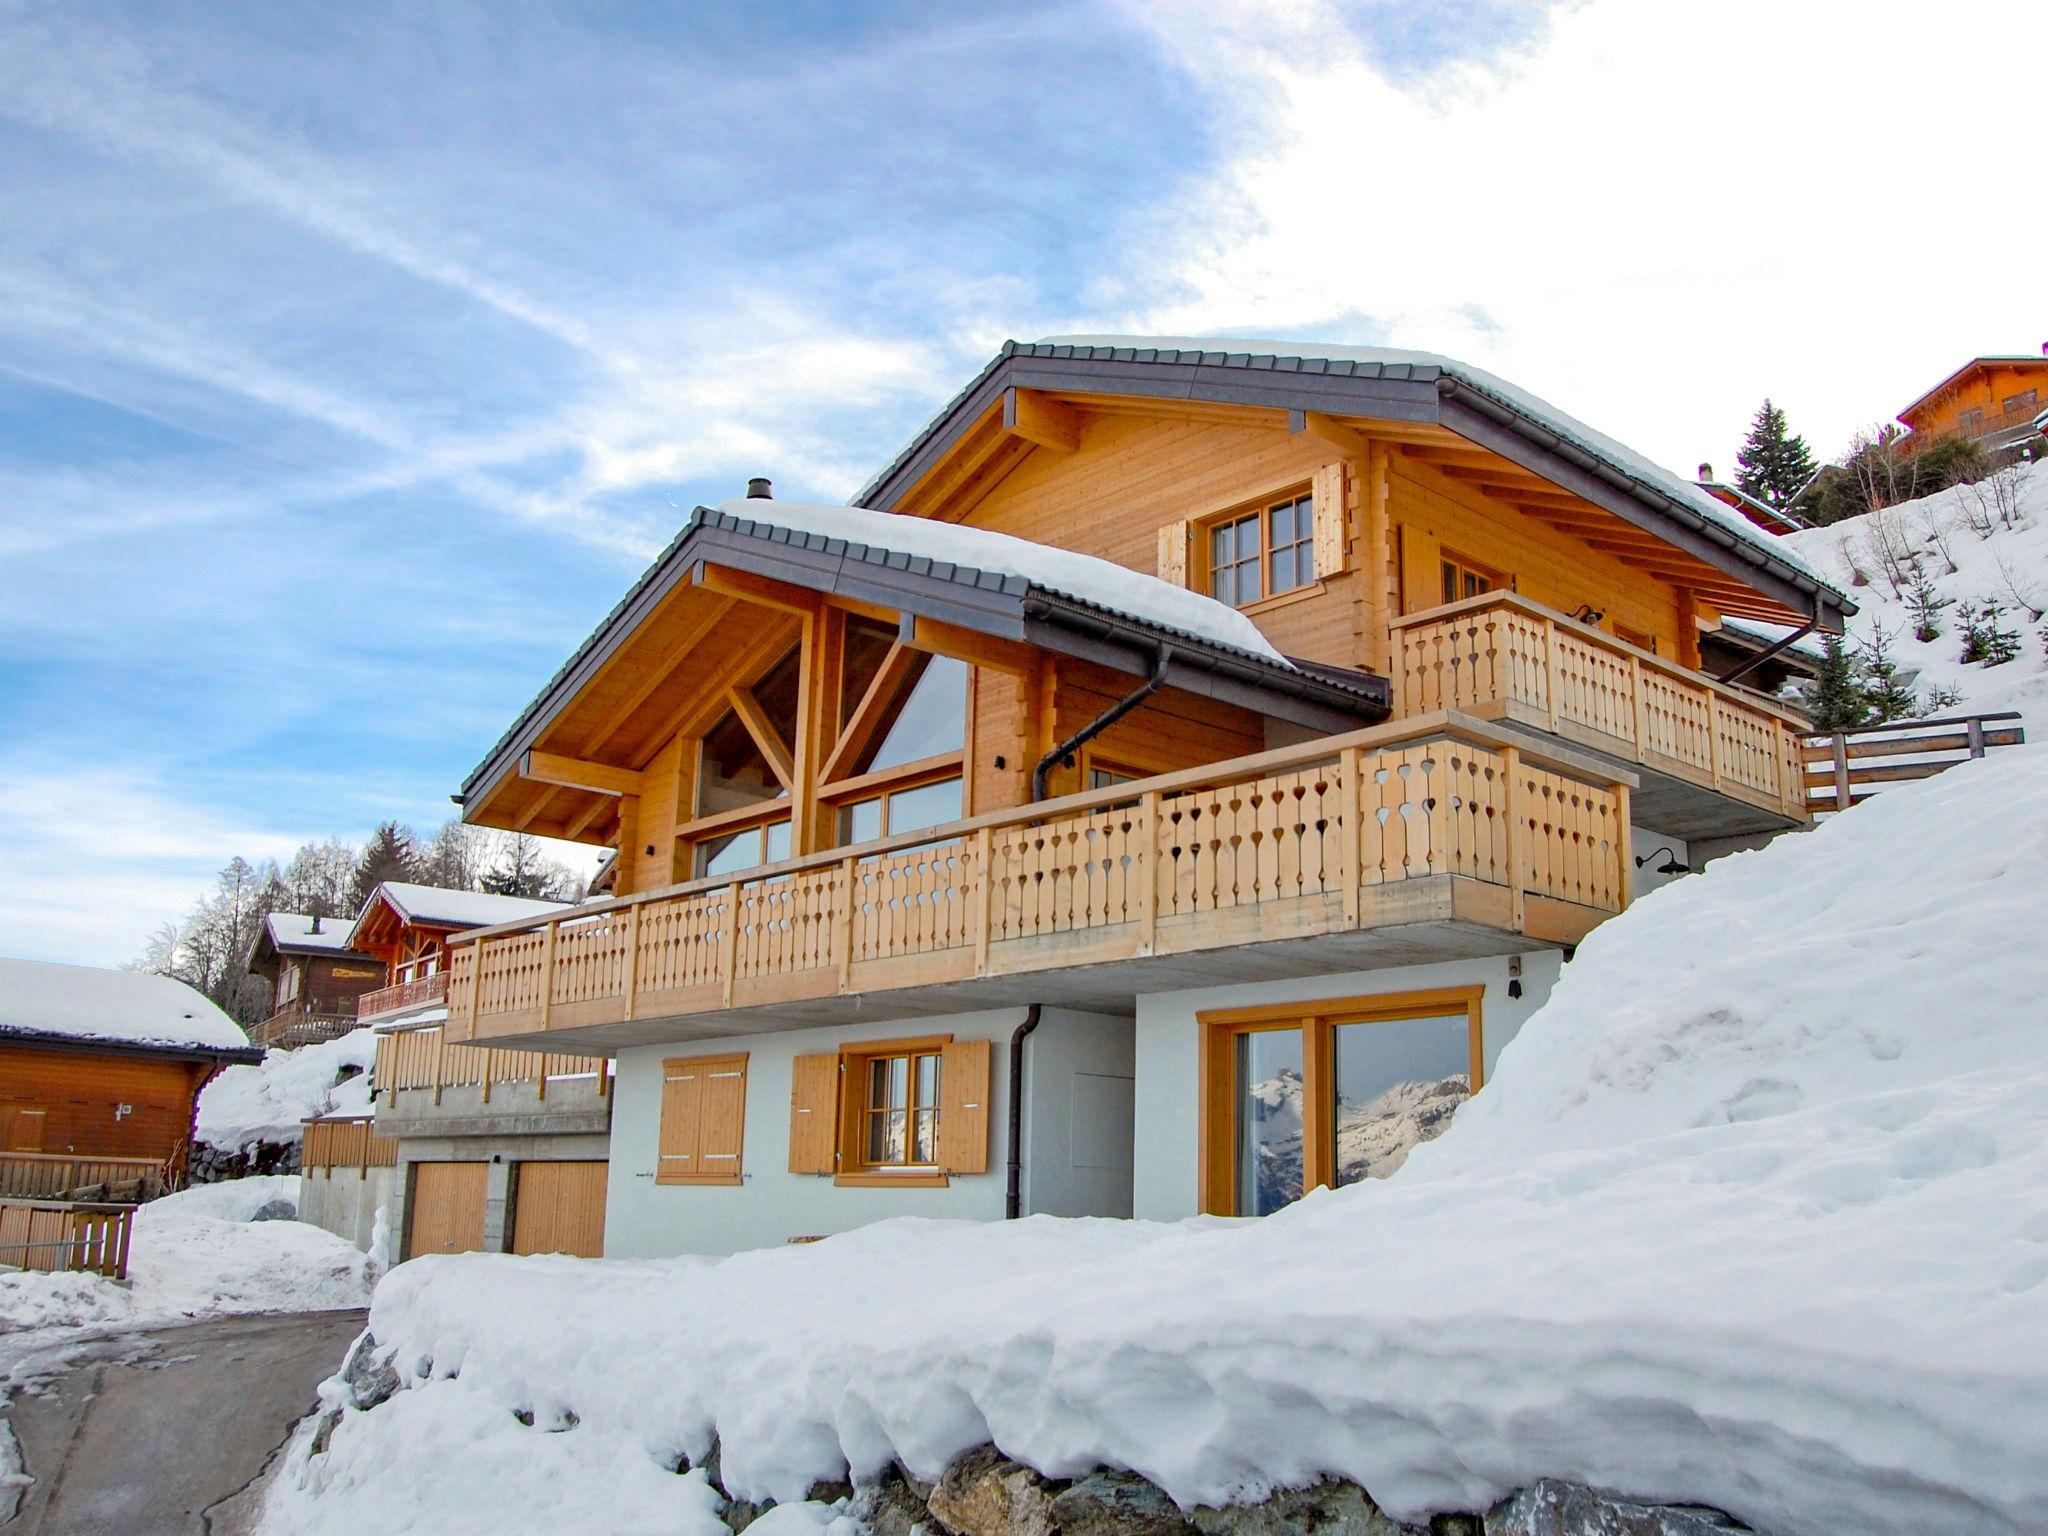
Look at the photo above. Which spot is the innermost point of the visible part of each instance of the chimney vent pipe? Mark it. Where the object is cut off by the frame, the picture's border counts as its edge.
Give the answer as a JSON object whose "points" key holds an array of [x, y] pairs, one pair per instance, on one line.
{"points": [[1706, 473], [760, 489]]}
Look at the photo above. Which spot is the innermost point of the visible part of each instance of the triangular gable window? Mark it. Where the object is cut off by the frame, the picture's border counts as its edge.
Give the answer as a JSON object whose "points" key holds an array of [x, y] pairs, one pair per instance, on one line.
{"points": [[932, 718]]}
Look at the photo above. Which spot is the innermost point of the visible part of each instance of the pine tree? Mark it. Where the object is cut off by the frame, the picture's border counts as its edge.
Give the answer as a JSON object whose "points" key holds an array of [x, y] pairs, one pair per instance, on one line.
{"points": [[1888, 697], [1774, 464], [1834, 699], [389, 855], [1925, 602]]}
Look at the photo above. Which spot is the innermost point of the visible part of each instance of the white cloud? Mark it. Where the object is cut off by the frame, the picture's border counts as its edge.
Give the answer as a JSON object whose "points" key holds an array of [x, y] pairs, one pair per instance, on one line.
{"points": [[1652, 215]]}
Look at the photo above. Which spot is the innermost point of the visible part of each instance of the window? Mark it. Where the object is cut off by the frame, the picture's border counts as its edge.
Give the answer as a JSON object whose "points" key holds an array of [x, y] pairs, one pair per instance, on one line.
{"points": [[897, 1112], [1260, 554], [1108, 776], [909, 776], [730, 853], [1329, 1093], [1467, 578], [902, 810], [1636, 637], [931, 720], [2025, 400], [1971, 422], [703, 1120], [287, 983]]}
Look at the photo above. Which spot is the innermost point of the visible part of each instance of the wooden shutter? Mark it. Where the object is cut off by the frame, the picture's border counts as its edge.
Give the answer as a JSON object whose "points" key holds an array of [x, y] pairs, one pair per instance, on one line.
{"points": [[963, 1106], [682, 1112], [1329, 517], [25, 1134], [1173, 553], [721, 1128], [814, 1114]]}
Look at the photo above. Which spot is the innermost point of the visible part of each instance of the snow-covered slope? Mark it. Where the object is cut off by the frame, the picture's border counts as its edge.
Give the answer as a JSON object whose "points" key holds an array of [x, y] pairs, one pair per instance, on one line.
{"points": [[1750, 1214], [1973, 543], [267, 1100]]}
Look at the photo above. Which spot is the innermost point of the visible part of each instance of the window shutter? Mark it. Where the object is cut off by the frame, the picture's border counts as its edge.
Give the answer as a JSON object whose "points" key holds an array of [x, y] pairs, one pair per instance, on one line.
{"points": [[682, 1113], [963, 1106], [1329, 497], [722, 1119], [1173, 553], [814, 1114]]}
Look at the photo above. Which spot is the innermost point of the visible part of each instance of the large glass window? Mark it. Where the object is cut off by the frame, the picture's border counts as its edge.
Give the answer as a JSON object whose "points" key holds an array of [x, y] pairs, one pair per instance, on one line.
{"points": [[731, 853], [1395, 1084], [1271, 1154], [932, 719]]}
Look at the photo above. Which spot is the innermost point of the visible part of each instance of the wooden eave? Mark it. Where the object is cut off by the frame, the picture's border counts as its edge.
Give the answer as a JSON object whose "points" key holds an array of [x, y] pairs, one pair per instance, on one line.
{"points": [[1424, 413]]}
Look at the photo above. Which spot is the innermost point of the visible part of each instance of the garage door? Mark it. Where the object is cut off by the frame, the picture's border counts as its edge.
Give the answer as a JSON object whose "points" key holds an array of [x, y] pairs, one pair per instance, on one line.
{"points": [[559, 1208], [446, 1214]]}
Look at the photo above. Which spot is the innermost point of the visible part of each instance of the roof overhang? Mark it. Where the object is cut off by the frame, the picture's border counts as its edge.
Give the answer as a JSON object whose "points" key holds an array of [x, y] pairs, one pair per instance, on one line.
{"points": [[1415, 393], [1974, 365], [1002, 607], [223, 1055]]}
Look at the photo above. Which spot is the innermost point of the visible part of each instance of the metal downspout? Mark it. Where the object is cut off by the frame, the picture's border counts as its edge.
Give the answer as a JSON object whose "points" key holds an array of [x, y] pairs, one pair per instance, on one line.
{"points": [[1013, 1194], [1102, 722]]}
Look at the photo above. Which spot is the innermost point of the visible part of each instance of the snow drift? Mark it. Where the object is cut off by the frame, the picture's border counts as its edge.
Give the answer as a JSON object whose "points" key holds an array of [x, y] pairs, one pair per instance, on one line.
{"points": [[267, 1101], [1750, 1214]]}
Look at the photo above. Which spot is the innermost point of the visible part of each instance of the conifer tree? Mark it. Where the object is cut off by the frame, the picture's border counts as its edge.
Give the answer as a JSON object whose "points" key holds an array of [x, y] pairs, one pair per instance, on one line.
{"points": [[1774, 463], [389, 855], [1835, 698]]}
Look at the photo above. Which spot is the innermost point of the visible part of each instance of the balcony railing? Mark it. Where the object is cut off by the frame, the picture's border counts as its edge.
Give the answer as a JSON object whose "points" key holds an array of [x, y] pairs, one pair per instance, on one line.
{"points": [[62, 1175], [416, 993], [295, 1025], [423, 1060], [1440, 819], [349, 1141], [1502, 657]]}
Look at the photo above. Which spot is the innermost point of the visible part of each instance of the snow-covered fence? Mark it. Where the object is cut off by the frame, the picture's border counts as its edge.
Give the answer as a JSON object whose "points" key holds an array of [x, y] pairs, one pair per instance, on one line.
{"points": [[1850, 766], [50, 1175], [63, 1234]]}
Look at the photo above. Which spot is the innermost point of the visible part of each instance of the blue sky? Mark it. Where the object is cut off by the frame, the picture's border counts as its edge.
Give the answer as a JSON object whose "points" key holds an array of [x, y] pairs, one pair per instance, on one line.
{"points": [[354, 359]]}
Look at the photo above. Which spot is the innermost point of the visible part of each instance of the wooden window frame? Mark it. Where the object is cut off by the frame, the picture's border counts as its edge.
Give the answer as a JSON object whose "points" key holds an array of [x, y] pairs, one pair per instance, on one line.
{"points": [[1449, 559], [725, 1060], [854, 1169], [844, 795], [1317, 1019], [1262, 508]]}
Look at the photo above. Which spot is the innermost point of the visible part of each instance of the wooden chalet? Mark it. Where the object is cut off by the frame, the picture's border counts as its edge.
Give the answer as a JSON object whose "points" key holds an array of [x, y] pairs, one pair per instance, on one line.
{"points": [[100, 1073], [315, 978], [1163, 702], [1997, 401]]}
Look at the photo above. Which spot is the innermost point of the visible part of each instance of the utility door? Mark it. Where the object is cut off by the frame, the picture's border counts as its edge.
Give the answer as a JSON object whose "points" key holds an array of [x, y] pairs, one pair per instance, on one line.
{"points": [[559, 1208], [446, 1212]]}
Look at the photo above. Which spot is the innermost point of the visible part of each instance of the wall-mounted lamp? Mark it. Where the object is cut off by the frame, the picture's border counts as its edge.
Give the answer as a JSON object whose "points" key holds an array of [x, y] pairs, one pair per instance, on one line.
{"points": [[1670, 866], [1588, 614]]}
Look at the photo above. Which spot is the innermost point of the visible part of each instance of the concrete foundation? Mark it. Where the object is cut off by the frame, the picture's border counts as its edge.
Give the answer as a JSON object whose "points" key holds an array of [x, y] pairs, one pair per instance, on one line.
{"points": [[345, 1201]]}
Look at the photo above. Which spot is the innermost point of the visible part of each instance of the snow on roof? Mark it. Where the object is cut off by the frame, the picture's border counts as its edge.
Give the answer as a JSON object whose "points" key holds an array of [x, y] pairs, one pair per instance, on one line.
{"points": [[1092, 580], [1771, 634], [294, 930], [461, 909], [115, 1007], [1687, 492]]}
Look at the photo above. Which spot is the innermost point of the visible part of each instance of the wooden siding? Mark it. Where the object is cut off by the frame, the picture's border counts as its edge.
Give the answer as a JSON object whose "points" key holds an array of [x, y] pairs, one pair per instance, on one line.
{"points": [[66, 1100], [446, 1211], [415, 1060], [53, 1235], [558, 1207], [1433, 819], [350, 1144]]}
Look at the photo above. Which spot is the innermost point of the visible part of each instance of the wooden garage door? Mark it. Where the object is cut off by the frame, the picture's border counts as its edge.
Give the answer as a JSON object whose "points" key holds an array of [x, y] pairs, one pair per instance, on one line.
{"points": [[559, 1208], [447, 1210]]}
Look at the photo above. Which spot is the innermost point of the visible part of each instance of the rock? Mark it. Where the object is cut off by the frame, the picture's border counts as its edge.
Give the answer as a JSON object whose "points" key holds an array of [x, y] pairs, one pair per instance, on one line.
{"points": [[829, 1490], [1330, 1508], [277, 1210], [1553, 1507], [324, 1431], [985, 1493], [1108, 1503], [1457, 1525], [741, 1513], [892, 1505], [369, 1380]]}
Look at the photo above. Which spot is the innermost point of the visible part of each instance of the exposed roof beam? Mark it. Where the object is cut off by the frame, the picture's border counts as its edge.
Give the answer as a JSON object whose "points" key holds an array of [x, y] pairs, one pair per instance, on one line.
{"points": [[1345, 438], [578, 773], [1041, 420], [762, 591], [968, 645], [781, 761]]}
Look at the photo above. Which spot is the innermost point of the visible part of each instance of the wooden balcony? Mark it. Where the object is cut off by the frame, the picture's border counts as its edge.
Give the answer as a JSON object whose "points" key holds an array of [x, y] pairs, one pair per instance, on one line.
{"points": [[345, 1141], [423, 1061], [417, 993], [1429, 838], [295, 1025], [1714, 760]]}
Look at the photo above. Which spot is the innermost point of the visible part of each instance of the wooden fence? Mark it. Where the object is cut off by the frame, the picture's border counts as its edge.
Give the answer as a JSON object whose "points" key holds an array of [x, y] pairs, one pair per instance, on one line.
{"points": [[292, 1026], [424, 1059], [62, 1234], [1437, 818], [350, 1142], [51, 1175], [1850, 766]]}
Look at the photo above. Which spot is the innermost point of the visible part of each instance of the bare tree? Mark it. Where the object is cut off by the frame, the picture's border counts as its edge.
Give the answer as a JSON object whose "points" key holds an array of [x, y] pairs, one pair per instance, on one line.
{"points": [[1938, 524], [2024, 587], [520, 867], [317, 879], [456, 857], [1889, 546]]}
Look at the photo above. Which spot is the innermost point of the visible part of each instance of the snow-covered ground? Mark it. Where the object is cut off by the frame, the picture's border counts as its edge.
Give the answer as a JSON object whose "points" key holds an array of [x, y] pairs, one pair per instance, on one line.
{"points": [[1974, 544], [268, 1100], [199, 1254], [1749, 1214]]}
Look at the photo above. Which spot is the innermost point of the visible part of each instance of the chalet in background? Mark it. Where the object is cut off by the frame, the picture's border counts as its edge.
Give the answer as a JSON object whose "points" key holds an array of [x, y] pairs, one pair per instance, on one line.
{"points": [[315, 978], [1167, 793], [1996, 401]]}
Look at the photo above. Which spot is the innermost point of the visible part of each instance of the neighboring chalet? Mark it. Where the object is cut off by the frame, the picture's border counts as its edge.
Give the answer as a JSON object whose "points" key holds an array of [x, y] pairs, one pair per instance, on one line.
{"points": [[499, 1150], [100, 1073], [315, 978], [1767, 517], [1997, 401], [1169, 797]]}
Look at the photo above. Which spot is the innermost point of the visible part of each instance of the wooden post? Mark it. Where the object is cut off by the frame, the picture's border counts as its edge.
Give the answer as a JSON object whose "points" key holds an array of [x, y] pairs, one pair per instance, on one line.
{"points": [[1350, 847], [547, 977], [489, 1058], [440, 1045], [476, 985], [1625, 833], [1518, 879], [540, 1090], [1976, 728], [632, 920], [1841, 770], [984, 881], [729, 959], [1635, 690], [1550, 673], [1148, 888], [849, 874]]}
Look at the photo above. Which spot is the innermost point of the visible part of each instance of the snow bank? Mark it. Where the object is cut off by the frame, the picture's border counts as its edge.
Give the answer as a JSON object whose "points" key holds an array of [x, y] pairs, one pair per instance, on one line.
{"points": [[199, 1254], [1093, 580], [1992, 559], [266, 1101], [130, 1007], [1749, 1214]]}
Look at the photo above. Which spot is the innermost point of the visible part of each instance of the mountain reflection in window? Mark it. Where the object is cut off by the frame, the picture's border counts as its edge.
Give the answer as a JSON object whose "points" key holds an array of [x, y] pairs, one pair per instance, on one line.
{"points": [[1398, 1082], [932, 719], [1269, 1120]]}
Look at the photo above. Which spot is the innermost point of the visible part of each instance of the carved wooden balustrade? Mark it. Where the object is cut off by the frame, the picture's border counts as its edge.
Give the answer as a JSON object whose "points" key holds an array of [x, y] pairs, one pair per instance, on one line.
{"points": [[1502, 657], [1433, 819]]}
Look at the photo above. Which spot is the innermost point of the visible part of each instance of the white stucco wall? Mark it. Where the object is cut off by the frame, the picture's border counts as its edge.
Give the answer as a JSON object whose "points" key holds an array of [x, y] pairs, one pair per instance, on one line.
{"points": [[1647, 841], [1166, 1174], [1075, 1064]]}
